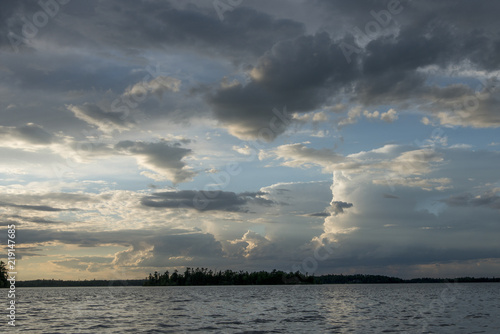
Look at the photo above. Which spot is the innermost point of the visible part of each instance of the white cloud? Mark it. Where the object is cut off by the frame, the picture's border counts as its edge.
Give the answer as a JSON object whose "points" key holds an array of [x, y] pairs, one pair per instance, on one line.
{"points": [[371, 115], [389, 159], [299, 155], [106, 121], [244, 150], [352, 116], [157, 86], [389, 116], [356, 112], [251, 246]]}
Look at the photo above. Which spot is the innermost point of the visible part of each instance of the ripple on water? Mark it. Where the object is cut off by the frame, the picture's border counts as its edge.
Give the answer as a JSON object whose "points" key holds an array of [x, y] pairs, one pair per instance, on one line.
{"points": [[261, 309]]}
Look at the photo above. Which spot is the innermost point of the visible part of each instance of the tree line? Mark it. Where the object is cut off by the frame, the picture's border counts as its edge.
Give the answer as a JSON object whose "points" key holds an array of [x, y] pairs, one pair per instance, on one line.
{"points": [[94, 282], [204, 276]]}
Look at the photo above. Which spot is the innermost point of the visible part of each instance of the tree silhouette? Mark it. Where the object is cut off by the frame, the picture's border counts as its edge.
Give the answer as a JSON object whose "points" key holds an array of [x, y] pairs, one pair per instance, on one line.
{"points": [[3, 275], [203, 276]]}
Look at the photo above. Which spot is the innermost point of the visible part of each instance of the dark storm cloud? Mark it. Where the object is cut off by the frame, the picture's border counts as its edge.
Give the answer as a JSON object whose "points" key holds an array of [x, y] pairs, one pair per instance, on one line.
{"points": [[9, 9], [161, 24], [441, 34], [391, 64], [65, 71], [24, 20], [387, 69], [205, 201], [147, 24], [299, 74]]}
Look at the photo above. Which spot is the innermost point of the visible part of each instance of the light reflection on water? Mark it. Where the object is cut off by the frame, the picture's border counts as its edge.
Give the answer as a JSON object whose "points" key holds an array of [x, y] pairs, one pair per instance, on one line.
{"points": [[398, 308]]}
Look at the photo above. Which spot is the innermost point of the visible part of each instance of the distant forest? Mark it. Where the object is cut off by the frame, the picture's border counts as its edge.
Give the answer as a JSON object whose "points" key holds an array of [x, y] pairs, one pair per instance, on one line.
{"points": [[204, 276]]}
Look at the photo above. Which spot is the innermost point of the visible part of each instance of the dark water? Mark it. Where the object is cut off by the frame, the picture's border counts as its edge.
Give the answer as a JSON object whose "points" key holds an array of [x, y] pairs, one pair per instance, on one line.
{"points": [[395, 308]]}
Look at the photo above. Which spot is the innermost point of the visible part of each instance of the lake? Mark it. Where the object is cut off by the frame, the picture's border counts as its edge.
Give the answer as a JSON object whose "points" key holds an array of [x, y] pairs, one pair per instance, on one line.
{"points": [[384, 308]]}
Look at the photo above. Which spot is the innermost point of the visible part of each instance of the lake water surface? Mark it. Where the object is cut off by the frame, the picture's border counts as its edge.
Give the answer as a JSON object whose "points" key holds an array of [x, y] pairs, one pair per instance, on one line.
{"points": [[385, 308]]}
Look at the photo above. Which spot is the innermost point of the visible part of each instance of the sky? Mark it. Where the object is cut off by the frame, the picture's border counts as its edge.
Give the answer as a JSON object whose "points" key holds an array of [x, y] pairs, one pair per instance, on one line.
{"points": [[323, 136]]}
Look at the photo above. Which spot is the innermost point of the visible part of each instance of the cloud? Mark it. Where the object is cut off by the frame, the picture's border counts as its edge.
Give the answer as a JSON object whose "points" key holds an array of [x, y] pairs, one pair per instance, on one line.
{"points": [[355, 113], [390, 69], [301, 203], [197, 248], [244, 150], [299, 74], [158, 26], [414, 231], [164, 158], [436, 219], [389, 116], [125, 110], [38, 220], [352, 116], [299, 155], [414, 162], [397, 64], [393, 161], [251, 245], [74, 264], [319, 214], [35, 207], [425, 184], [106, 121], [292, 66], [339, 206], [205, 200], [26, 136], [157, 86], [133, 256], [461, 105], [144, 248], [490, 200], [314, 117]]}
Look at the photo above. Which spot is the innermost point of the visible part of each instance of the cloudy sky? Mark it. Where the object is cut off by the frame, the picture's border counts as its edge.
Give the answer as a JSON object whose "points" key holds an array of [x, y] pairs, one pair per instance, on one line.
{"points": [[324, 136]]}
